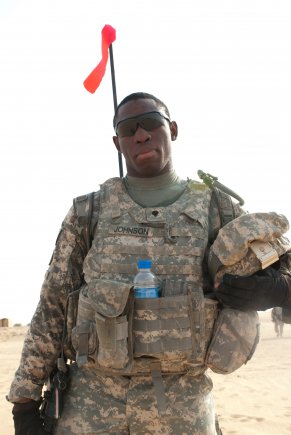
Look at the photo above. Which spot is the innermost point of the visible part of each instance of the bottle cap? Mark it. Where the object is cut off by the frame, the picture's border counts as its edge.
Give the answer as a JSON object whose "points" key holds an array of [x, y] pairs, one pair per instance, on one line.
{"points": [[144, 264]]}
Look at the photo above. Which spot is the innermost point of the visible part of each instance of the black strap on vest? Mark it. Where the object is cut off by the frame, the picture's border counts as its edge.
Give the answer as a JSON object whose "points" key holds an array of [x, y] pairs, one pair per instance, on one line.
{"points": [[84, 210], [225, 206], [222, 195]]}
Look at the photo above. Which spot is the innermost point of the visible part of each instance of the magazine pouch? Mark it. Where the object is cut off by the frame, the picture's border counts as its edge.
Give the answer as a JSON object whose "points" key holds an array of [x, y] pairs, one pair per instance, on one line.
{"points": [[112, 302], [84, 337]]}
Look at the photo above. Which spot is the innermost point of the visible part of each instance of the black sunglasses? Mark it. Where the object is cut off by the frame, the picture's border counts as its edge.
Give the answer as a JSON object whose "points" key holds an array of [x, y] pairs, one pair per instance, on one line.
{"points": [[148, 121]]}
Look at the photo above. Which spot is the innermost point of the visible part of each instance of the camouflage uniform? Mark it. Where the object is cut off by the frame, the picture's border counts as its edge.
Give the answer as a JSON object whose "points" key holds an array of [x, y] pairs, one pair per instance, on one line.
{"points": [[122, 405], [276, 315], [98, 402]]}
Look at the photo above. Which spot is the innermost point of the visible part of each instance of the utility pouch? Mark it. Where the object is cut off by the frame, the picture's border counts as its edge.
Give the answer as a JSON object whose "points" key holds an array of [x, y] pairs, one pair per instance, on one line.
{"points": [[112, 302], [170, 327], [83, 336], [235, 338]]}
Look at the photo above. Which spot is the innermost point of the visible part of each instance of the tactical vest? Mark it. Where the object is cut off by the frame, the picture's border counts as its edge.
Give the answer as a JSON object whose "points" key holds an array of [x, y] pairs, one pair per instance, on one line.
{"points": [[118, 334]]}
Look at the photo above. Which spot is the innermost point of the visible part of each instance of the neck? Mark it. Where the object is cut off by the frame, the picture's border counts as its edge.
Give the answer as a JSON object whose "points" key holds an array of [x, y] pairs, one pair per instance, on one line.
{"points": [[155, 191], [160, 181]]}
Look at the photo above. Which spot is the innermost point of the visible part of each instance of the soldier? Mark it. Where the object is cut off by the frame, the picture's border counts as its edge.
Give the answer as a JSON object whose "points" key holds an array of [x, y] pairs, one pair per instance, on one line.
{"points": [[139, 366], [276, 315]]}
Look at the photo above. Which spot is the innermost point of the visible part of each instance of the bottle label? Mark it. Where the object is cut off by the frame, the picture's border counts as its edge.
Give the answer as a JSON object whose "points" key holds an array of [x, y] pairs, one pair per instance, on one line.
{"points": [[146, 292]]}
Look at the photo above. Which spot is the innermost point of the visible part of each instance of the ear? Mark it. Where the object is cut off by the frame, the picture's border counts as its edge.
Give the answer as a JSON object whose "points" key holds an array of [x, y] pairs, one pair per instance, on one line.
{"points": [[174, 130], [116, 143]]}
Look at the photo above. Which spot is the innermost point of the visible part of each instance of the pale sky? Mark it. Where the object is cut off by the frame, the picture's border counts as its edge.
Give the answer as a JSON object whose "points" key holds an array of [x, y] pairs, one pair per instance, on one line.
{"points": [[222, 67]]}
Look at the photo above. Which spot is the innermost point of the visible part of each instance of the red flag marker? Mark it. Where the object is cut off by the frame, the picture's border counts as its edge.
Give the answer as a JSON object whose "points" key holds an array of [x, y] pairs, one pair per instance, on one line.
{"points": [[94, 79]]}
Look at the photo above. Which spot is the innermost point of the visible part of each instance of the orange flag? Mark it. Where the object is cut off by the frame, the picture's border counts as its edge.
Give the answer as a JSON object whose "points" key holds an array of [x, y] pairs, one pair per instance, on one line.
{"points": [[94, 79]]}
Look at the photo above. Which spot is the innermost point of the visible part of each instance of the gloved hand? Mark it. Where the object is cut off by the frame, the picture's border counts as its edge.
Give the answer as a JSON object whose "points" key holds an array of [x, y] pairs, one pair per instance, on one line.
{"points": [[263, 290], [27, 419]]}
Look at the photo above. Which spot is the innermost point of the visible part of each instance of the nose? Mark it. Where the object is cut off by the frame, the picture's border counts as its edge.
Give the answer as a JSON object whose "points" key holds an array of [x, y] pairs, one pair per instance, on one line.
{"points": [[141, 135]]}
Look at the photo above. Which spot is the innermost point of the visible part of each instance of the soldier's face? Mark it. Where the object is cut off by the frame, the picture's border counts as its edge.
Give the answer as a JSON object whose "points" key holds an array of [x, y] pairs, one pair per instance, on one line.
{"points": [[147, 150]]}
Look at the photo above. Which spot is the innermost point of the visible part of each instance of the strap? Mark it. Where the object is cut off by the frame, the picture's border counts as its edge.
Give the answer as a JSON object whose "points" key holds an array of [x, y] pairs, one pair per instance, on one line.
{"points": [[222, 195], [73, 294], [213, 264], [225, 206], [159, 387], [83, 345], [130, 315], [84, 210]]}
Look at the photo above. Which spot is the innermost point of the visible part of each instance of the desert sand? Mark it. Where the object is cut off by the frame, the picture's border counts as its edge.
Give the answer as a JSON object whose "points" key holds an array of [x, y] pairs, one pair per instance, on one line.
{"points": [[254, 400]]}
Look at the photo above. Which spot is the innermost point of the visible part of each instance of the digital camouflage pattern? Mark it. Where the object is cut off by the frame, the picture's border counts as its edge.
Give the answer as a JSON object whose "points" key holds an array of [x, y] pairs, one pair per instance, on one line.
{"points": [[42, 344], [115, 356], [129, 405], [175, 238], [91, 391], [235, 338], [247, 244]]}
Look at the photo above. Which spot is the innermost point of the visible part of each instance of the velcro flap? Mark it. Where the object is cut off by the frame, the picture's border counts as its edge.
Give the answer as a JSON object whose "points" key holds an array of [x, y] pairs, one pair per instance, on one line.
{"points": [[114, 329], [192, 214], [108, 297]]}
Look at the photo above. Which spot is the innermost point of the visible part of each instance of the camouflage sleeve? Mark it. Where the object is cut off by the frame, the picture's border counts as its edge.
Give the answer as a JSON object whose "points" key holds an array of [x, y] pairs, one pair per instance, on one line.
{"points": [[214, 225], [42, 344]]}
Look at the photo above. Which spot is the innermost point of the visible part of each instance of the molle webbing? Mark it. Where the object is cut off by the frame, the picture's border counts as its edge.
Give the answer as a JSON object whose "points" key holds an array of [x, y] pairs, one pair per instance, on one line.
{"points": [[170, 329], [126, 231], [170, 324], [174, 237], [225, 206], [85, 207], [167, 316]]}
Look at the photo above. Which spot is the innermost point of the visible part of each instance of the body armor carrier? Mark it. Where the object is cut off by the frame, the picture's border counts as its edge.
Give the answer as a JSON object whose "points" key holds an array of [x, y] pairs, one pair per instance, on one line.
{"points": [[118, 334]]}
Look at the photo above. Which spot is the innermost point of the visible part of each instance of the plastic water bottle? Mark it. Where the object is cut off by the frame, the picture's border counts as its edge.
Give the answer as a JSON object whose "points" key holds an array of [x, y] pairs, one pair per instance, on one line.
{"points": [[145, 283]]}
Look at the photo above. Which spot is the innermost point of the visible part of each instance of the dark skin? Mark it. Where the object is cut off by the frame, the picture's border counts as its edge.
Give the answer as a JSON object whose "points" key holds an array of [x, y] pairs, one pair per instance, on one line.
{"points": [[146, 153]]}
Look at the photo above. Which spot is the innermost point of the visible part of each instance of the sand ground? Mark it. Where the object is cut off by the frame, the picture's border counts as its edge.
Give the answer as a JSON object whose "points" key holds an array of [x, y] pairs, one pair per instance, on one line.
{"points": [[254, 400]]}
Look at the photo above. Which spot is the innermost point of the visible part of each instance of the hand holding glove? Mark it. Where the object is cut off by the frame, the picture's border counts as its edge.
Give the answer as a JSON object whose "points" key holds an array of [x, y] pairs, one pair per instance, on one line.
{"points": [[27, 419], [263, 290]]}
